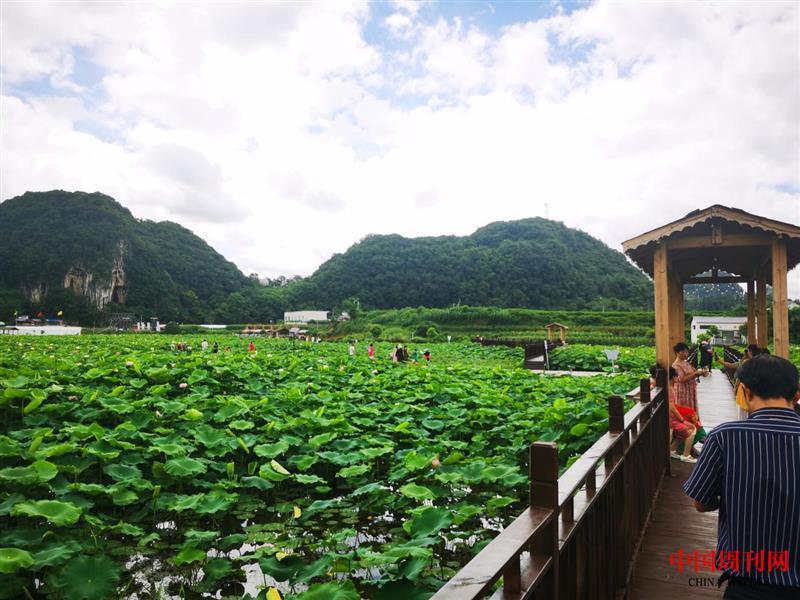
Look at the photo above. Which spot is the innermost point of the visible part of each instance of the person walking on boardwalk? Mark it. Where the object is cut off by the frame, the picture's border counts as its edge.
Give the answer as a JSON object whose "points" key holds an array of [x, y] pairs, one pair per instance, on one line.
{"points": [[750, 471], [685, 385], [706, 353]]}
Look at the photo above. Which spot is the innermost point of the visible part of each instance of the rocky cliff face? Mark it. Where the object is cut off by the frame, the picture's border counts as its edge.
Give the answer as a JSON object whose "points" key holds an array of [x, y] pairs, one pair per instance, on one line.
{"points": [[81, 281]]}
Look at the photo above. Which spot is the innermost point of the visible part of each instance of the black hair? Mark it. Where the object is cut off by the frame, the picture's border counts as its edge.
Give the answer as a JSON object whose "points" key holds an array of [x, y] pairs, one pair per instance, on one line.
{"points": [[680, 347], [770, 377], [763, 351], [672, 373], [653, 370], [753, 349]]}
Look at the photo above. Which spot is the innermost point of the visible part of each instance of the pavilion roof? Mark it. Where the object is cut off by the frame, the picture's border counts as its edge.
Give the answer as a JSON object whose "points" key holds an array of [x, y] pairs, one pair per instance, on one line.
{"points": [[717, 238]]}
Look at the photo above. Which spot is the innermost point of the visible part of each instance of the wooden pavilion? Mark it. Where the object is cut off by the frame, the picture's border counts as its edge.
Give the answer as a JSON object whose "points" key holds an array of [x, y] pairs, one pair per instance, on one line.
{"points": [[562, 331], [734, 247]]}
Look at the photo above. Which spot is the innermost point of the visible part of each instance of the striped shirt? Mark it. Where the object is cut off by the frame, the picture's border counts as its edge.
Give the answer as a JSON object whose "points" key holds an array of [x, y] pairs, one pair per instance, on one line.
{"points": [[751, 469]]}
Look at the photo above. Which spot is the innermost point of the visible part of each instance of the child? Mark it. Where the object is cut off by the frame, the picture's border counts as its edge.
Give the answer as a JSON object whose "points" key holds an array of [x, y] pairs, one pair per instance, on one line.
{"points": [[371, 352]]}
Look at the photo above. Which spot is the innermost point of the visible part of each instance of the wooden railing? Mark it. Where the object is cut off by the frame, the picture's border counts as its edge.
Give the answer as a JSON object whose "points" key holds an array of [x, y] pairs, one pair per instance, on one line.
{"points": [[537, 354], [730, 355], [578, 537]]}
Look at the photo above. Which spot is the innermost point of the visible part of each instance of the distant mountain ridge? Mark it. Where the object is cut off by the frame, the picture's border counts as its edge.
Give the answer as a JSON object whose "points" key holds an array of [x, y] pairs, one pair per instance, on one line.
{"points": [[533, 263], [85, 252]]}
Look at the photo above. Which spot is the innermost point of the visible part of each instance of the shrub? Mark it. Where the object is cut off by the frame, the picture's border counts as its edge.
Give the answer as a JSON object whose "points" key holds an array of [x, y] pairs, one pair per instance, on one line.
{"points": [[172, 328], [423, 328]]}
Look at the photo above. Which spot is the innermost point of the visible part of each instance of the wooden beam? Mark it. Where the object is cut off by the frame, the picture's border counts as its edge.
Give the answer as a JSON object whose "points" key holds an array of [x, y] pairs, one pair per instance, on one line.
{"points": [[762, 333], [728, 241], [661, 294], [751, 312], [715, 280], [780, 301]]}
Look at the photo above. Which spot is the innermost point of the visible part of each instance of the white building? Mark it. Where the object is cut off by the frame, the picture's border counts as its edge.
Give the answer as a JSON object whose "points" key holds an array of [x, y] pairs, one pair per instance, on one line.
{"points": [[729, 328], [45, 330], [305, 316]]}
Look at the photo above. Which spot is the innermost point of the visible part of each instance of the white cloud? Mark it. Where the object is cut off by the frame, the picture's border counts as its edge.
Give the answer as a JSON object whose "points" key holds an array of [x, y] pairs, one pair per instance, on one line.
{"points": [[230, 118]]}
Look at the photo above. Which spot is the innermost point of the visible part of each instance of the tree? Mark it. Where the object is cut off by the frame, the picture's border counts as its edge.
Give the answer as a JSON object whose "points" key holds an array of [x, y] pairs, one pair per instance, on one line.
{"points": [[352, 307]]}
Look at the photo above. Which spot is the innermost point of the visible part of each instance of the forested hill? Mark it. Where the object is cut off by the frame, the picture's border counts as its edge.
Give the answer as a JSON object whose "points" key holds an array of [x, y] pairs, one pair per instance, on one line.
{"points": [[533, 263], [87, 255], [81, 252]]}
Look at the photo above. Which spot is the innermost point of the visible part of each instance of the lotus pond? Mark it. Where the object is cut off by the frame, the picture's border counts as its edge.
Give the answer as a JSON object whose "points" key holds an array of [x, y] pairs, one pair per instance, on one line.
{"points": [[128, 469]]}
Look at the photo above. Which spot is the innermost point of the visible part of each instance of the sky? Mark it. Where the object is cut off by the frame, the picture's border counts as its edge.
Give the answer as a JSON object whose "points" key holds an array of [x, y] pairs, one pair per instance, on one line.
{"points": [[283, 133]]}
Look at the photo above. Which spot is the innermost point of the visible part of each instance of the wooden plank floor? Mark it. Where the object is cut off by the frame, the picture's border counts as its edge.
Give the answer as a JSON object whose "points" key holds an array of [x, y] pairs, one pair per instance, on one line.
{"points": [[676, 525]]}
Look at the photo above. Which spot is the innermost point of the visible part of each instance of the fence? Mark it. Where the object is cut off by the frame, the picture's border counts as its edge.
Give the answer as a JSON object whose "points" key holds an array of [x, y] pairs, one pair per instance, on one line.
{"points": [[537, 354], [577, 539]]}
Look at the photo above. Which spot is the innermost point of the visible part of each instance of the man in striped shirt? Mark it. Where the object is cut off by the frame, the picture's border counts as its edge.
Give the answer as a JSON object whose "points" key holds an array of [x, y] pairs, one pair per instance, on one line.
{"points": [[750, 471]]}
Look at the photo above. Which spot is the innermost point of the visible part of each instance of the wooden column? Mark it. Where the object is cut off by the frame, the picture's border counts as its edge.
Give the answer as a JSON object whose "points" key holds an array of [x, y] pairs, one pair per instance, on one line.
{"points": [[661, 293], [762, 334], [679, 310], [675, 297], [751, 312], [780, 299]]}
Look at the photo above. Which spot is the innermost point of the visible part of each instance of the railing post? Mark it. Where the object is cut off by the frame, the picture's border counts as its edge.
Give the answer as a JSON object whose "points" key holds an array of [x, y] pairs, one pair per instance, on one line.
{"points": [[616, 414], [616, 424], [661, 378], [644, 390], [543, 467]]}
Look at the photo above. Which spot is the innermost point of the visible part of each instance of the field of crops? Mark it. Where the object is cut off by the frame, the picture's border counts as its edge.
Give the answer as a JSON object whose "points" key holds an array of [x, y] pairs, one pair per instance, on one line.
{"points": [[582, 357], [129, 469]]}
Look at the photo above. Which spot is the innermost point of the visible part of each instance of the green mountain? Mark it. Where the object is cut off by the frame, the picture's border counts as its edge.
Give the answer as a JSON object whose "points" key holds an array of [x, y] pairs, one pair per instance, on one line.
{"points": [[533, 263], [87, 255]]}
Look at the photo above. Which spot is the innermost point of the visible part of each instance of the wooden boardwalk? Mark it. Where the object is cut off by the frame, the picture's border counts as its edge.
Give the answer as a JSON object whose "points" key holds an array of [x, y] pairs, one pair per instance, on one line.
{"points": [[675, 524]]}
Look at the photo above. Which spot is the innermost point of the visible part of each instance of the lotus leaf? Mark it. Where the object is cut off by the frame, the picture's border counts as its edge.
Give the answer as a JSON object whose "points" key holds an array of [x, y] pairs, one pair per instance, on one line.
{"points": [[271, 450], [88, 578], [14, 559], [7, 504], [331, 591], [121, 472], [189, 555], [55, 511], [37, 472], [276, 466], [184, 467], [418, 492], [353, 471], [217, 568], [56, 554], [430, 521]]}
